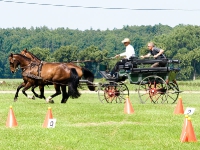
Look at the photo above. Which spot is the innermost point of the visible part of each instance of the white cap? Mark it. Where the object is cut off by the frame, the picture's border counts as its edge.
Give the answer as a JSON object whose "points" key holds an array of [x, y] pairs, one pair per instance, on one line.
{"points": [[126, 40]]}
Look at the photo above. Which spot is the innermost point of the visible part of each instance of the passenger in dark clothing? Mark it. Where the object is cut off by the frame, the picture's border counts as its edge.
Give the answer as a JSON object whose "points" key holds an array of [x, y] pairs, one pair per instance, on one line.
{"points": [[157, 53]]}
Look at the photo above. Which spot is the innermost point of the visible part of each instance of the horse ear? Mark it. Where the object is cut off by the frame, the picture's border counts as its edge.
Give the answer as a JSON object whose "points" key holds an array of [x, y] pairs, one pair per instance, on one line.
{"points": [[11, 59]]}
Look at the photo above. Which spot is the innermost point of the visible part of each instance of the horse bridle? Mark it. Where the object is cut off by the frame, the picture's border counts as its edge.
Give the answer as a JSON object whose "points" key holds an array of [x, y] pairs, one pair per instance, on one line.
{"points": [[31, 64], [15, 64]]}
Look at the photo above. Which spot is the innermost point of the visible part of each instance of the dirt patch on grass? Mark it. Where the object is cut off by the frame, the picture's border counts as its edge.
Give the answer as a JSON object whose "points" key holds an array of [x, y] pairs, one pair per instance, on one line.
{"points": [[88, 124]]}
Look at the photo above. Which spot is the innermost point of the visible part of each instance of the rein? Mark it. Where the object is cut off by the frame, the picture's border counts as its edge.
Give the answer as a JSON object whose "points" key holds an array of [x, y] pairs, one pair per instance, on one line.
{"points": [[83, 61], [92, 60], [29, 65]]}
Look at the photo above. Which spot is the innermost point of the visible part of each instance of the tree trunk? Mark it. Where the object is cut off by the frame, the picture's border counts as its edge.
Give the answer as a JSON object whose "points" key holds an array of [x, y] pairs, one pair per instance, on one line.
{"points": [[194, 75]]}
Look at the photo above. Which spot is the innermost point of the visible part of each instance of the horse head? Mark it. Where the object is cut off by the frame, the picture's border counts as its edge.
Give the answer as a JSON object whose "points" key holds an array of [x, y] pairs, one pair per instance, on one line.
{"points": [[28, 54], [18, 60], [24, 52], [13, 63]]}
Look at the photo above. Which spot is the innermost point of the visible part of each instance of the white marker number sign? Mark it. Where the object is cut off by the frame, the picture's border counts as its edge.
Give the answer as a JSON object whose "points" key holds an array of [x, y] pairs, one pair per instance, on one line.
{"points": [[189, 111], [51, 123]]}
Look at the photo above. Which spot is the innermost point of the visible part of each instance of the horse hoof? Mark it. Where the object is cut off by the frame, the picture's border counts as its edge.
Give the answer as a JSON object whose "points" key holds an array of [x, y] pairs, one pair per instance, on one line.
{"points": [[33, 98], [15, 99], [51, 101]]}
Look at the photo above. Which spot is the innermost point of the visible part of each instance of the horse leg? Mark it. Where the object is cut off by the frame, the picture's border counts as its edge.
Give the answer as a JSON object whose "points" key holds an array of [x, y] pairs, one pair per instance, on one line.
{"points": [[41, 87], [17, 92], [26, 87], [33, 90], [58, 92], [65, 95]]}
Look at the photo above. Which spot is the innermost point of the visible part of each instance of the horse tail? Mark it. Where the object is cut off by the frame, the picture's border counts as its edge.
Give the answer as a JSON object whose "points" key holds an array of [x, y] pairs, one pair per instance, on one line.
{"points": [[73, 84], [87, 74]]}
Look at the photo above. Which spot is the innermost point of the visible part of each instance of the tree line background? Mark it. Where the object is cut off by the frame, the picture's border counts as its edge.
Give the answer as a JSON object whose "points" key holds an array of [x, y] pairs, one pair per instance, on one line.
{"points": [[65, 45]]}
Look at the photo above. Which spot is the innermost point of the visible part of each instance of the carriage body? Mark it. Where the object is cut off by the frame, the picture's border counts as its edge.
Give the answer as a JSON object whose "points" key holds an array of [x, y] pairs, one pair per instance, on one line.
{"points": [[167, 74], [156, 84]]}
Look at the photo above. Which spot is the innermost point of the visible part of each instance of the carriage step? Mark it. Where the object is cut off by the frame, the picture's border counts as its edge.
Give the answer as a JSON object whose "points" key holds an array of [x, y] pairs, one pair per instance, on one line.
{"points": [[105, 75]]}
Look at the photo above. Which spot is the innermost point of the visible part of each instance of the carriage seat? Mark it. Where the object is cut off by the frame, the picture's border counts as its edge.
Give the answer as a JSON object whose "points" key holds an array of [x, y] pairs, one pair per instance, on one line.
{"points": [[133, 62], [128, 66], [155, 69], [106, 76], [133, 58]]}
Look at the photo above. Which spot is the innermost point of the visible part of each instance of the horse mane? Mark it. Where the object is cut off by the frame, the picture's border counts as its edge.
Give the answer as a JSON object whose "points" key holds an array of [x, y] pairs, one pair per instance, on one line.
{"points": [[23, 57], [32, 55]]}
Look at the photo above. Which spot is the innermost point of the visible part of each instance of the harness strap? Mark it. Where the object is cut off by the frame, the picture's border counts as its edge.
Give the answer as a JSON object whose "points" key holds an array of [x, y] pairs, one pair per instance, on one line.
{"points": [[30, 75], [40, 68]]}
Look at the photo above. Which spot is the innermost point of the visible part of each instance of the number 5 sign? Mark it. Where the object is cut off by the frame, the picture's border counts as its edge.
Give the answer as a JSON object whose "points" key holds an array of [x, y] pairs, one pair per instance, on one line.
{"points": [[189, 111]]}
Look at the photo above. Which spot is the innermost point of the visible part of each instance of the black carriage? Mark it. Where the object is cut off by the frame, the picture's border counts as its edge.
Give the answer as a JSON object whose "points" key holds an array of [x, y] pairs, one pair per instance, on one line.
{"points": [[155, 85]]}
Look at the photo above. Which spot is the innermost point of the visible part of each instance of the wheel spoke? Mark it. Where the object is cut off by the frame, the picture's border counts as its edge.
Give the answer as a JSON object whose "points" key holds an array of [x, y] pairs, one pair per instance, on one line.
{"points": [[173, 92], [154, 91], [112, 91]]}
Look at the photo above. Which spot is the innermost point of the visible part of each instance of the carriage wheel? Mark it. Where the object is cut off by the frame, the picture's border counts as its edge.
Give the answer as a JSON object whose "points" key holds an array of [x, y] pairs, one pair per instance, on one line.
{"points": [[153, 89], [173, 92], [112, 92]]}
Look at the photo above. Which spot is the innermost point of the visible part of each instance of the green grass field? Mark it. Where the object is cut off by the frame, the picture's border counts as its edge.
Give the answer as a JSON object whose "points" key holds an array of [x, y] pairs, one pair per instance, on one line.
{"points": [[86, 124]]}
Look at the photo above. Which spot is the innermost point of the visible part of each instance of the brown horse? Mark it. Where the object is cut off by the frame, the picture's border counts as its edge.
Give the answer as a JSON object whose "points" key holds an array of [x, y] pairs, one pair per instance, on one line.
{"points": [[82, 72], [57, 74]]}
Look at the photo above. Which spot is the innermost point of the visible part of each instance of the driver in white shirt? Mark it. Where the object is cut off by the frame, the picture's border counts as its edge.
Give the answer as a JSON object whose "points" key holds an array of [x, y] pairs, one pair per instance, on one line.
{"points": [[130, 52]]}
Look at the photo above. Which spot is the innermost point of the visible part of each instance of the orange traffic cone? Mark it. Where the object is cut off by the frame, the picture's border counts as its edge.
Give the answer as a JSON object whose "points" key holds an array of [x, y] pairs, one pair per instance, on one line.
{"points": [[11, 120], [48, 116], [184, 127], [190, 132], [128, 109], [189, 135], [179, 107]]}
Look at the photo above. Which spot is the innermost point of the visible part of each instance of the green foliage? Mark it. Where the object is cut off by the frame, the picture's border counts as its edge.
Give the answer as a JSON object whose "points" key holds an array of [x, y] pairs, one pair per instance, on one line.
{"points": [[94, 56], [186, 37], [65, 45], [66, 54], [41, 53]]}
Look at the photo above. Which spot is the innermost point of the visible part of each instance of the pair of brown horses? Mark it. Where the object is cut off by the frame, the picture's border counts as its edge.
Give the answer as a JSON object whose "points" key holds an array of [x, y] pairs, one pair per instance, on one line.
{"points": [[38, 73]]}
